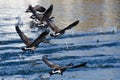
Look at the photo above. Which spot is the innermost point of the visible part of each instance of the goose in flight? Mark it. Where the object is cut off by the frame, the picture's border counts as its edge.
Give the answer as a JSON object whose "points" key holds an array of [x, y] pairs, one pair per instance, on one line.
{"points": [[57, 69], [57, 30], [31, 45], [41, 17]]}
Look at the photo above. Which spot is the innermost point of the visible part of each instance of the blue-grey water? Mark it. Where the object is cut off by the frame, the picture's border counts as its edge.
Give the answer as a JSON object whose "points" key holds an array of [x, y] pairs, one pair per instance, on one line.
{"points": [[96, 40]]}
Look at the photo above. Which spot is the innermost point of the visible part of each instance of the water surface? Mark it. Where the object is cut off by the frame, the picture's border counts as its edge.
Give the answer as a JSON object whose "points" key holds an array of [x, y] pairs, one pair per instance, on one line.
{"points": [[96, 40]]}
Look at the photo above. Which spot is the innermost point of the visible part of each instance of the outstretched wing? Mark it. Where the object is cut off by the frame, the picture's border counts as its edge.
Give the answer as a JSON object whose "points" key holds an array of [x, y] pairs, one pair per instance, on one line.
{"points": [[80, 65], [52, 25], [48, 12], [76, 66], [50, 64], [40, 38], [23, 36], [71, 25]]}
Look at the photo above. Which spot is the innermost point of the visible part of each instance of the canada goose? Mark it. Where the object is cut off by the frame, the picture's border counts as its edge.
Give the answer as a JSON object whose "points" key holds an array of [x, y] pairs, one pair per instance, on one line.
{"points": [[31, 45], [40, 17], [57, 69], [36, 8], [57, 30]]}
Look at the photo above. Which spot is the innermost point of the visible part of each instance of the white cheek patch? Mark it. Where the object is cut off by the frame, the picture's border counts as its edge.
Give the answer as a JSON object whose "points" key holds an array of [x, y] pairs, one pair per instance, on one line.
{"points": [[42, 24], [32, 48], [56, 34], [25, 48], [53, 72], [57, 71]]}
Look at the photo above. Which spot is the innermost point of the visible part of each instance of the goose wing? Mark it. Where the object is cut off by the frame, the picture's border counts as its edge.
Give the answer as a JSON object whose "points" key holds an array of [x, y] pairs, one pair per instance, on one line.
{"points": [[48, 12], [77, 66], [80, 65], [50, 64], [23, 36], [71, 25], [40, 38], [52, 25]]}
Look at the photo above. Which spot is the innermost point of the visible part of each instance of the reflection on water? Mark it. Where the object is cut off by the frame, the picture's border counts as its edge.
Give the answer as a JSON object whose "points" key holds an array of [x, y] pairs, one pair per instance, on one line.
{"points": [[95, 13]]}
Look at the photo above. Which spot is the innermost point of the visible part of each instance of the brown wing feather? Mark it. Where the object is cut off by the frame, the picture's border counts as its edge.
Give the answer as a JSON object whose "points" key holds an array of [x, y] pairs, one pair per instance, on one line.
{"points": [[48, 12], [71, 25], [22, 36], [76, 66], [52, 26], [49, 63], [40, 38], [80, 65]]}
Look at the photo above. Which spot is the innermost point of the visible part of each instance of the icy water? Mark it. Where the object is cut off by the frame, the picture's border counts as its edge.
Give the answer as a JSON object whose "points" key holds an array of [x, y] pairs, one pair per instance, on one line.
{"points": [[95, 40]]}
